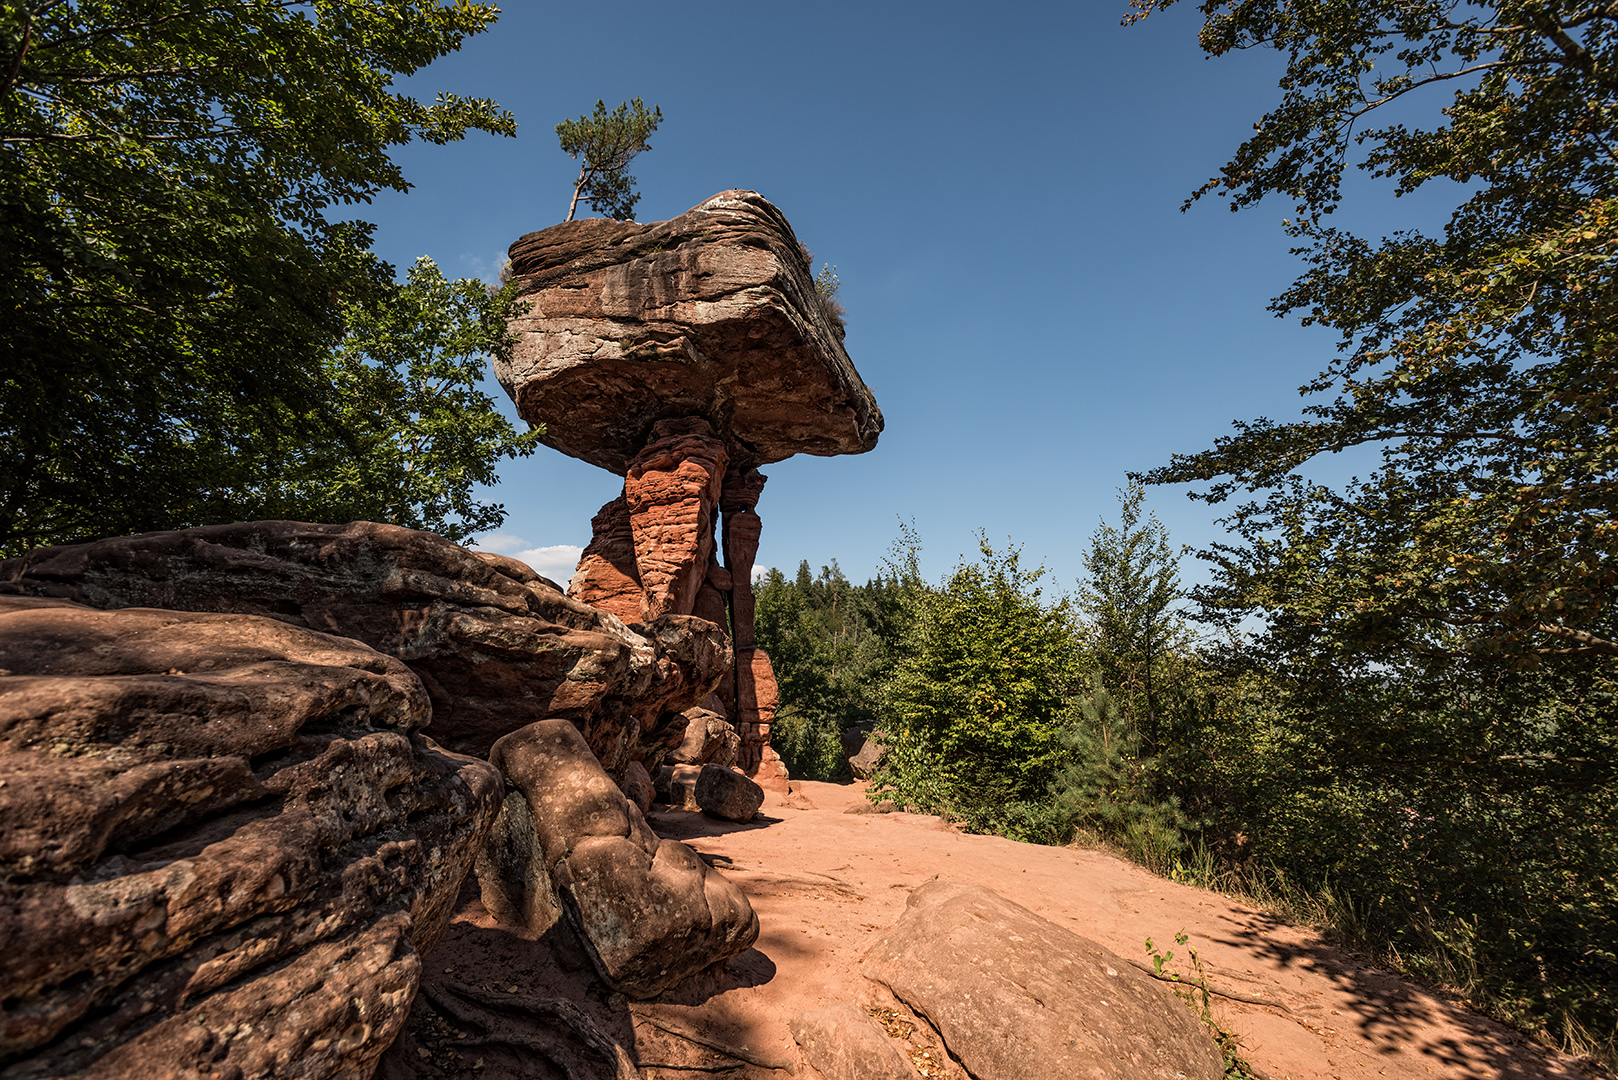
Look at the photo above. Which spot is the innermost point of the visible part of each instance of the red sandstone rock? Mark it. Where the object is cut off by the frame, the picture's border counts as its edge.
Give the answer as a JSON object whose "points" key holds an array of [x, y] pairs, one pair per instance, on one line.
{"points": [[496, 645], [742, 529], [726, 793], [672, 493], [1017, 997], [607, 578], [226, 844], [637, 787], [676, 785], [708, 738], [713, 314], [842, 1043], [756, 696], [650, 912]]}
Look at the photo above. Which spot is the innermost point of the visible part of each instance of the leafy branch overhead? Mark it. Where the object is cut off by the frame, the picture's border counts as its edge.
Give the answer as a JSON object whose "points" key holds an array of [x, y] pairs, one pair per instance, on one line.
{"points": [[173, 276], [604, 144], [1480, 362]]}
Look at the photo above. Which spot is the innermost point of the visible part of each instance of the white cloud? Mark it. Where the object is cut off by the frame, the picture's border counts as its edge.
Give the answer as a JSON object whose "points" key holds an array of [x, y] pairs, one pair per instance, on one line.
{"points": [[555, 561], [500, 543]]}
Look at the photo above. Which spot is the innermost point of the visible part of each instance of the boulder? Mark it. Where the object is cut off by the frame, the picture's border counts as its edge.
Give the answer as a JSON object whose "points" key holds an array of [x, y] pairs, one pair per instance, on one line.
{"points": [[677, 786], [842, 1043], [497, 645], [713, 314], [649, 911], [708, 738], [226, 844], [865, 758], [726, 793], [637, 786], [1016, 997]]}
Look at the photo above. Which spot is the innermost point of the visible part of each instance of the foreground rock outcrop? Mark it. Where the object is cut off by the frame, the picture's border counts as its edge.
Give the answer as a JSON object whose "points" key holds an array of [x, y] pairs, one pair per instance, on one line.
{"points": [[1016, 997], [650, 912], [226, 844], [496, 645], [682, 355]]}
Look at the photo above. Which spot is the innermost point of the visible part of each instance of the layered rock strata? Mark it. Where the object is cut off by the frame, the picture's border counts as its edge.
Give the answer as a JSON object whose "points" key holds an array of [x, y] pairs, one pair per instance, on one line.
{"points": [[676, 354], [226, 844], [496, 645], [712, 314]]}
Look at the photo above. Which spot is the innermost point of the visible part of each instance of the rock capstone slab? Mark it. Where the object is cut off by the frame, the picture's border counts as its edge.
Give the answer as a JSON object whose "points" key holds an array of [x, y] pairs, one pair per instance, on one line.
{"points": [[712, 314], [1016, 997]]}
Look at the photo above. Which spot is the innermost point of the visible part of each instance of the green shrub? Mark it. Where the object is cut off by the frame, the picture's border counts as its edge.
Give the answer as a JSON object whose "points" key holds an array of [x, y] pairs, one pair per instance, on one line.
{"points": [[1105, 789], [973, 705]]}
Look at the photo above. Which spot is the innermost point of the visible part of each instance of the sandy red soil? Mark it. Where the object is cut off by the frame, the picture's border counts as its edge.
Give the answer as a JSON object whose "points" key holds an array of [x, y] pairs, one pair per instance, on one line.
{"points": [[825, 882]]}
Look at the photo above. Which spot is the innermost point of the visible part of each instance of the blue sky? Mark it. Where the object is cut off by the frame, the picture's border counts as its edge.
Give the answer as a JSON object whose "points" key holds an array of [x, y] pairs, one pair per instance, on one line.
{"points": [[1001, 198]]}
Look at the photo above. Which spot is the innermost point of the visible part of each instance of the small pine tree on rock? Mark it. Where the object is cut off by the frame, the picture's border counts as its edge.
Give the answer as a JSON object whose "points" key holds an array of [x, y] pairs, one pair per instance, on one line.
{"points": [[604, 144]]}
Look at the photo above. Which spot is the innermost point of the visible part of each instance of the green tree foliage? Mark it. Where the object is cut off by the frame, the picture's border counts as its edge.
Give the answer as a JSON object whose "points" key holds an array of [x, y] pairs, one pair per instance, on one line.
{"points": [[974, 706], [1481, 361], [1127, 601], [172, 275], [421, 432], [829, 642], [1440, 740], [604, 144], [1106, 787]]}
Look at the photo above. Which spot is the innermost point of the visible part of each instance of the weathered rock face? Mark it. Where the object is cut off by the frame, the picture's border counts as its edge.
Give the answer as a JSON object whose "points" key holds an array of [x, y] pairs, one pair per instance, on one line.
{"points": [[865, 755], [712, 314], [842, 1043], [727, 794], [226, 844], [672, 493], [677, 786], [1016, 997], [607, 577], [708, 738], [757, 694], [496, 645], [650, 911]]}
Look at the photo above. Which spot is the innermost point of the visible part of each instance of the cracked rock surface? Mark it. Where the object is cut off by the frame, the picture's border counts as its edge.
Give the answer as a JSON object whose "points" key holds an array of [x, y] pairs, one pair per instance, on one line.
{"points": [[226, 844]]}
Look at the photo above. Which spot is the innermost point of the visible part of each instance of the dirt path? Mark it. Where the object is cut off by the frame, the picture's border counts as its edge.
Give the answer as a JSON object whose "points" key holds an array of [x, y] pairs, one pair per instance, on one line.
{"points": [[825, 882]]}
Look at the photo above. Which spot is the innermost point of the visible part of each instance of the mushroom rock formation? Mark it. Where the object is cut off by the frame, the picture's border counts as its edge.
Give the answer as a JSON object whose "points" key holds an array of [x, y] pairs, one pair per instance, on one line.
{"points": [[682, 355]]}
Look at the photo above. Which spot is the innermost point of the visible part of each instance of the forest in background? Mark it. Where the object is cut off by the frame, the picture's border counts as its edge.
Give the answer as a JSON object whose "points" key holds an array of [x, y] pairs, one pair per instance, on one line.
{"points": [[1455, 820]]}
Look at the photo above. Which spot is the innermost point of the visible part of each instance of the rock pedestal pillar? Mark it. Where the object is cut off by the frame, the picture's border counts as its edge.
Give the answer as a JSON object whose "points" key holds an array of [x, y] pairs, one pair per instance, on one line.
{"points": [[652, 548], [607, 577], [756, 688], [672, 490], [653, 553]]}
